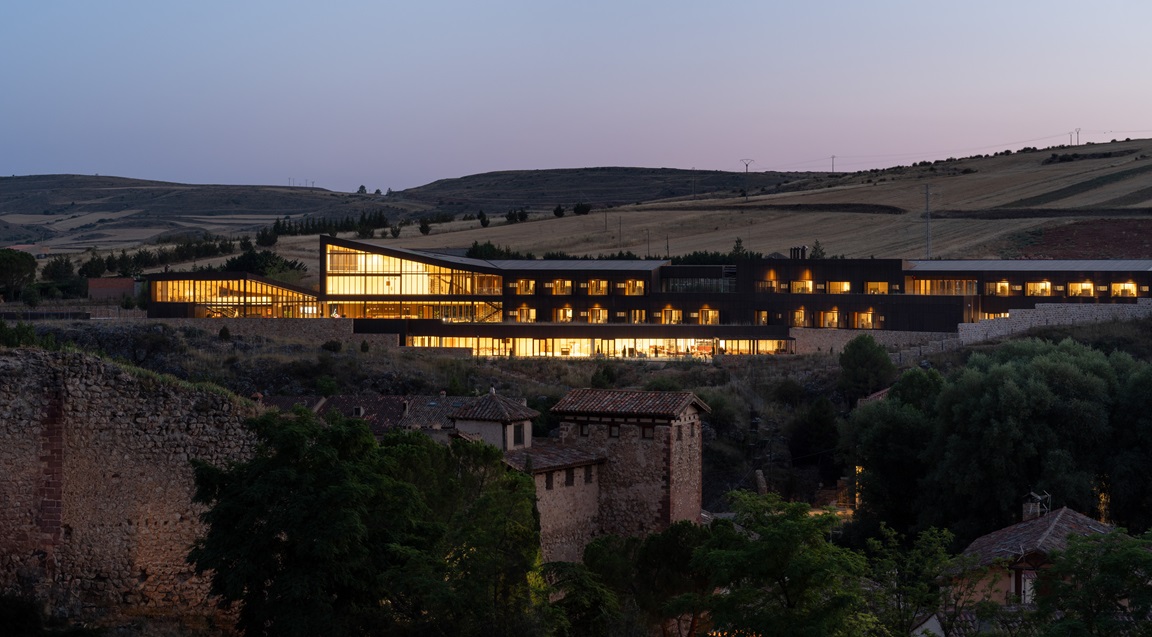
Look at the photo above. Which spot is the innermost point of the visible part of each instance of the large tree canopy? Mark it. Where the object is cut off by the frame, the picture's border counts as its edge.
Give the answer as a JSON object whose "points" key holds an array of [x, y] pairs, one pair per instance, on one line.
{"points": [[17, 269], [325, 532]]}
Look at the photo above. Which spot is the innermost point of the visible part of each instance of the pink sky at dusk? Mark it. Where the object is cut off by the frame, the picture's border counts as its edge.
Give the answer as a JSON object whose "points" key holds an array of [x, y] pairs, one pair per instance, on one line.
{"points": [[394, 95]]}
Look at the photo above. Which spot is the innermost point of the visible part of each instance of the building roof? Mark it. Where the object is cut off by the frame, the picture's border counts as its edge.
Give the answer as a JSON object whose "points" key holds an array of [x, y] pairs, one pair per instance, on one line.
{"points": [[640, 265], [492, 407], [1044, 534], [547, 454], [667, 404], [382, 413], [1029, 265]]}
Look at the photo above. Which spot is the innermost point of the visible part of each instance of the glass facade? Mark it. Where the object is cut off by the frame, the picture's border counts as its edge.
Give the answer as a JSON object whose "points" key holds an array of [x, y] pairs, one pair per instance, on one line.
{"points": [[236, 298], [354, 272], [650, 348]]}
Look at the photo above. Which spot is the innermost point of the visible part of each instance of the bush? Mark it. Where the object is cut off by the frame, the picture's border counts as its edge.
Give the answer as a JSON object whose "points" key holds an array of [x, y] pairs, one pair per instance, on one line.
{"points": [[225, 334], [364, 346], [333, 346]]}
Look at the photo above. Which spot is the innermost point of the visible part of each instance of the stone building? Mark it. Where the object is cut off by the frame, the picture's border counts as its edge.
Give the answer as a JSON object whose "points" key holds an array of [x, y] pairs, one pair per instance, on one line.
{"points": [[96, 511], [625, 463], [501, 422]]}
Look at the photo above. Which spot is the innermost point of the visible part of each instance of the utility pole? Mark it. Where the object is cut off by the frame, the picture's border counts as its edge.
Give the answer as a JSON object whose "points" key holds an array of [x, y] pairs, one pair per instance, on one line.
{"points": [[927, 225], [1077, 136], [1069, 138], [747, 162], [833, 163]]}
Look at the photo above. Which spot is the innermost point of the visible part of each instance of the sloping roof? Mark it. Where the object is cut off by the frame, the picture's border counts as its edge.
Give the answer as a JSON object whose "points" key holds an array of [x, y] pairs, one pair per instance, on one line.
{"points": [[492, 407], [628, 402], [547, 454], [426, 412], [1044, 534], [641, 265]]}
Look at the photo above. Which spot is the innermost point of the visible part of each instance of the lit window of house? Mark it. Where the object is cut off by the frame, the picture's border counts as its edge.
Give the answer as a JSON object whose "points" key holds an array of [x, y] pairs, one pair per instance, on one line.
{"points": [[996, 288], [526, 315], [637, 316], [839, 287], [597, 287], [560, 287], [761, 317], [1038, 288], [876, 287], [525, 287], [801, 287], [799, 318], [709, 317], [670, 316], [1124, 289], [830, 319], [1081, 289], [865, 321], [631, 287], [562, 315], [597, 315]]}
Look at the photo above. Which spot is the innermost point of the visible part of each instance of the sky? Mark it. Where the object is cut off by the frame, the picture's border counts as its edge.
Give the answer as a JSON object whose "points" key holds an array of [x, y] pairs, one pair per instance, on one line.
{"points": [[385, 94]]}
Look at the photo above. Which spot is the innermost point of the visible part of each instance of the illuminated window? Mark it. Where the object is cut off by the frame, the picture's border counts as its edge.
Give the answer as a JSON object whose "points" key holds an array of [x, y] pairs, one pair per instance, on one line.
{"points": [[830, 319], [562, 315], [766, 286], [637, 316], [597, 315], [631, 287], [876, 287], [1039, 288], [762, 317], [799, 319], [709, 317], [526, 315], [801, 287], [1081, 289], [1123, 289], [839, 287], [670, 316], [996, 288], [525, 287], [560, 287], [864, 321], [597, 287]]}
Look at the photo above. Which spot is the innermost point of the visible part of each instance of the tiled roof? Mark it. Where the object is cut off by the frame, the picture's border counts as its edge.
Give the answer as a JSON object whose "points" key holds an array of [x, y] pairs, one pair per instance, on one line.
{"points": [[1044, 534], [492, 407], [425, 412], [547, 454], [288, 403], [382, 413], [627, 402]]}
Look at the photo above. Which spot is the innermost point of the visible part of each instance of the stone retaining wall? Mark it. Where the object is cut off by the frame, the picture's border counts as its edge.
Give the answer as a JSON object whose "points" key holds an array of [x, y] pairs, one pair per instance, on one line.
{"points": [[1020, 321], [96, 512], [811, 340]]}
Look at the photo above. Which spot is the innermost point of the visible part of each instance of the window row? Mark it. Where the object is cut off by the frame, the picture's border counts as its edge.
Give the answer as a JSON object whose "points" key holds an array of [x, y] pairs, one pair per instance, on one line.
{"points": [[606, 347], [667, 316], [569, 477], [1073, 289], [807, 286], [563, 287], [869, 320]]}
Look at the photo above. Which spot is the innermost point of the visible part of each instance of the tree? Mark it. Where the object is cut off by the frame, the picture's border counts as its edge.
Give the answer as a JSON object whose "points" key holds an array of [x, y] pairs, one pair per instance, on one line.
{"points": [[266, 238], [1098, 585], [59, 268], [906, 580], [864, 368], [817, 251], [776, 573], [93, 268], [483, 219], [325, 531], [17, 269], [264, 263], [361, 190], [558, 211], [581, 209], [377, 193], [31, 296], [425, 227], [394, 231]]}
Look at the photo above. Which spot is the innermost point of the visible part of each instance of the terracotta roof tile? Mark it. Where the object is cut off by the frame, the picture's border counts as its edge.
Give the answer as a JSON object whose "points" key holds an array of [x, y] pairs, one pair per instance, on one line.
{"points": [[547, 454], [1044, 534], [492, 407], [668, 404]]}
